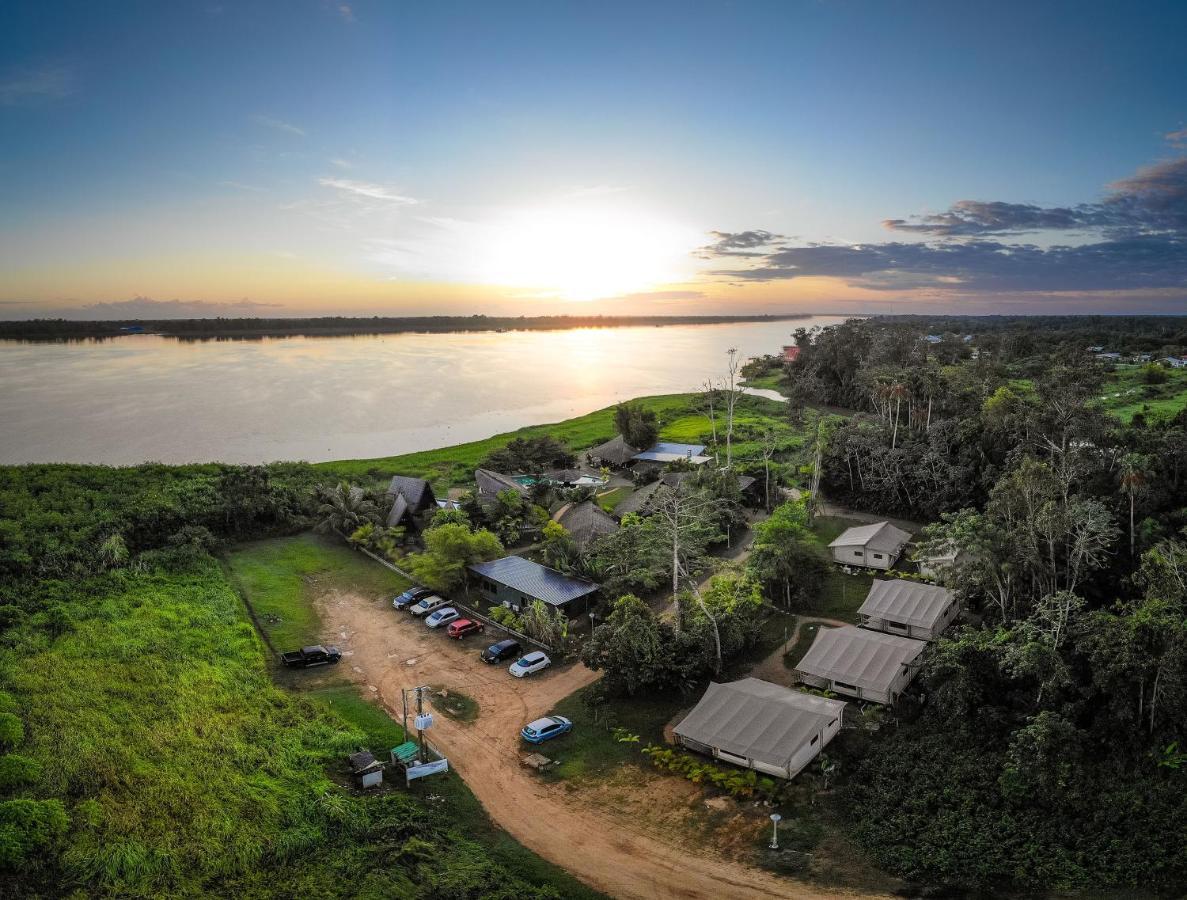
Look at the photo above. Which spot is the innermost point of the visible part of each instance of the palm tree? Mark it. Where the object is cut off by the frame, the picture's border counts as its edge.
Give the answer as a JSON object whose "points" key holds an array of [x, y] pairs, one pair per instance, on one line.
{"points": [[898, 391], [1133, 482], [344, 508]]}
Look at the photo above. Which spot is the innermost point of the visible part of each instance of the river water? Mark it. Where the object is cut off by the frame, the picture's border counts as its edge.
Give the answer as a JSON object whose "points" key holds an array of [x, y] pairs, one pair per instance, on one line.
{"points": [[144, 397]]}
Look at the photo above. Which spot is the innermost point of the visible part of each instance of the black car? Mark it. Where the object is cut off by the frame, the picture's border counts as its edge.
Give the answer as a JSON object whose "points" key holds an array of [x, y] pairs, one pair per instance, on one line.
{"points": [[410, 596], [500, 651], [308, 657]]}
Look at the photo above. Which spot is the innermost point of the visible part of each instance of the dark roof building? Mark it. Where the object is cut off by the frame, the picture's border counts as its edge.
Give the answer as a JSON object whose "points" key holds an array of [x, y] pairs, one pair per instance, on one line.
{"points": [[615, 452], [411, 497], [640, 501], [516, 582], [586, 522], [491, 484]]}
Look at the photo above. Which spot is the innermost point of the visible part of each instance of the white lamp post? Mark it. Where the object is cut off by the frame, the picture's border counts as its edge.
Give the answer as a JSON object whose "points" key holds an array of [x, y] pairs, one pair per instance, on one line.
{"points": [[775, 819]]}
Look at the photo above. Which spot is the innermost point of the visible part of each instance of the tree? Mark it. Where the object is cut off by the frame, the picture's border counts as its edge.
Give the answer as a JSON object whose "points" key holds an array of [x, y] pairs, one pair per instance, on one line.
{"points": [[682, 517], [785, 561], [633, 648], [731, 400], [344, 507], [558, 548], [638, 425], [530, 455], [1134, 471], [449, 549], [545, 624]]}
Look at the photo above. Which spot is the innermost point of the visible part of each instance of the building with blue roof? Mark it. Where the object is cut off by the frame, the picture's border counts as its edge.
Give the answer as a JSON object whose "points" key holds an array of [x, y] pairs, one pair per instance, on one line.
{"points": [[516, 582]]}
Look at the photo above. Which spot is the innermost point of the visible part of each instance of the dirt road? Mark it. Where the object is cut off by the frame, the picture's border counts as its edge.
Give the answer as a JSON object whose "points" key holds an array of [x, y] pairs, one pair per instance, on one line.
{"points": [[389, 651]]}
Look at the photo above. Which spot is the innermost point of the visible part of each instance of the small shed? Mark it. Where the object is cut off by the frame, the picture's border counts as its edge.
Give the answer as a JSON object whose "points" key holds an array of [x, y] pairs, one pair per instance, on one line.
{"points": [[876, 546], [762, 726], [615, 453], [909, 608], [586, 522], [857, 662], [366, 769], [411, 497], [516, 582]]}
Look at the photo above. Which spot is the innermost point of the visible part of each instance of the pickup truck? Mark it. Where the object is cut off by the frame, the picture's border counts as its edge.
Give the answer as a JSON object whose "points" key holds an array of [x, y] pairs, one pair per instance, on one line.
{"points": [[311, 656]]}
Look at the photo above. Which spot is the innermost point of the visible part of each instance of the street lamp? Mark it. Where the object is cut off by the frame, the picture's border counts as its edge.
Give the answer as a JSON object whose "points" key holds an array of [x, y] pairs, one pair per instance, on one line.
{"points": [[775, 819]]}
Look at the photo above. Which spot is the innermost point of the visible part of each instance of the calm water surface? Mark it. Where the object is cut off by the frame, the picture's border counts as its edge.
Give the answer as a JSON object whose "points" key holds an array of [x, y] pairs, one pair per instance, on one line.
{"points": [[143, 397]]}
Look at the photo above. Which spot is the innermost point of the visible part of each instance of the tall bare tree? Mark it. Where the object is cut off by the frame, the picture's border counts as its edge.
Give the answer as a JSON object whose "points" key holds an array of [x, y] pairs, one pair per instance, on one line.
{"points": [[731, 398]]}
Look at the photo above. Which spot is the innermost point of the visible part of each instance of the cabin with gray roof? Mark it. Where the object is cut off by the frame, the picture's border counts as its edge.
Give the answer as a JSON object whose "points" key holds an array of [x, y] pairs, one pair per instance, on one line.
{"points": [[615, 453], [876, 546], [516, 583], [411, 497], [909, 608], [762, 726], [857, 662], [586, 522]]}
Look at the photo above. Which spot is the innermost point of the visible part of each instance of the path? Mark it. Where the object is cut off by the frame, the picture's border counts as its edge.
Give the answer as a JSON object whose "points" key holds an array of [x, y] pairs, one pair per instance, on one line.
{"points": [[390, 651], [772, 668], [826, 507]]}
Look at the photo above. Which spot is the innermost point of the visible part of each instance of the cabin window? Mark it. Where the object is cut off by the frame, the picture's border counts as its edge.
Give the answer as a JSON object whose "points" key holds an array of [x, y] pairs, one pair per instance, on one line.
{"points": [[815, 738], [858, 553], [903, 626], [845, 687], [878, 556]]}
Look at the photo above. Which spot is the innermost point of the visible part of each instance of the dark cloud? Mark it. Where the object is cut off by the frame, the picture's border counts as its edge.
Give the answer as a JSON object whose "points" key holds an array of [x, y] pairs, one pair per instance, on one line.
{"points": [[1154, 200], [1139, 262], [739, 243]]}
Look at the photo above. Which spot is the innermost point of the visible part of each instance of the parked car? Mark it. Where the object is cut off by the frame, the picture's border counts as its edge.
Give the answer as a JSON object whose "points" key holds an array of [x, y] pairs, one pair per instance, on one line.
{"points": [[462, 627], [428, 604], [500, 651], [530, 663], [311, 656], [545, 729], [410, 596], [443, 616]]}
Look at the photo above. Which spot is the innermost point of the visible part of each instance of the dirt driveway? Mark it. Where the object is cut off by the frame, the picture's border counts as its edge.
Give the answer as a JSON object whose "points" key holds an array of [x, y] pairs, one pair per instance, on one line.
{"points": [[390, 651]]}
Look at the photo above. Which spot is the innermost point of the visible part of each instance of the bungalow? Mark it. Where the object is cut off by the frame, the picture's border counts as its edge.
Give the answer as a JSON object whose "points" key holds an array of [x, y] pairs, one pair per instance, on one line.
{"points": [[761, 726], [897, 606], [491, 484], [411, 497], [516, 583], [876, 546], [666, 452], [615, 453], [586, 522], [857, 662]]}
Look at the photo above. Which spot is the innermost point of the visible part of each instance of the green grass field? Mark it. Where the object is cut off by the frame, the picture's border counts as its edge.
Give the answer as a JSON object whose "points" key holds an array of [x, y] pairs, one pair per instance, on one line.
{"points": [[1127, 394], [280, 576], [842, 594]]}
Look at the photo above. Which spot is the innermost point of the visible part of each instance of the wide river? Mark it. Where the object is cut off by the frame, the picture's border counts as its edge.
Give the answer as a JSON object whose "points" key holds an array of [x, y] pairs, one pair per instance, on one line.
{"points": [[143, 397]]}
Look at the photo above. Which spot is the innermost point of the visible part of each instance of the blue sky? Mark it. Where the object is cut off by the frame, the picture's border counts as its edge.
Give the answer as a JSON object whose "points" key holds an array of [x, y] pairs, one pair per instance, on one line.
{"points": [[316, 157]]}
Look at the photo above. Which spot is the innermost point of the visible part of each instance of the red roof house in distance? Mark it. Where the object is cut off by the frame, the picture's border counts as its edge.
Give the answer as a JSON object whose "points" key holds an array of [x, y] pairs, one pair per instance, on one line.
{"points": [[791, 354]]}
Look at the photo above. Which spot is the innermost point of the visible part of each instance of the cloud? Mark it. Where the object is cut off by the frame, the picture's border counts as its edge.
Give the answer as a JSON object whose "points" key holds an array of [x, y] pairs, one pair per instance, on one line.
{"points": [[345, 11], [1132, 263], [366, 190], [31, 86], [240, 186], [739, 243], [1177, 138], [1153, 200], [278, 125], [341, 163]]}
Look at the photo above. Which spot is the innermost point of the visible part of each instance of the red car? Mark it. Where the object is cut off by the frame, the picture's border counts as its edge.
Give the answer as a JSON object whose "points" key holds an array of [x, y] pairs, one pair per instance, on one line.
{"points": [[462, 627]]}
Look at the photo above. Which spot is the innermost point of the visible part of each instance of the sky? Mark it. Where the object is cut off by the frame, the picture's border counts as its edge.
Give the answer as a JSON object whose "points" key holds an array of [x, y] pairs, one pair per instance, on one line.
{"points": [[309, 157]]}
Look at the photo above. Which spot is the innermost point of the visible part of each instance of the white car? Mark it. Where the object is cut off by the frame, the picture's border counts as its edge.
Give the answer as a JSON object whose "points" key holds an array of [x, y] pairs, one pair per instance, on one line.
{"points": [[428, 605], [529, 663], [443, 616]]}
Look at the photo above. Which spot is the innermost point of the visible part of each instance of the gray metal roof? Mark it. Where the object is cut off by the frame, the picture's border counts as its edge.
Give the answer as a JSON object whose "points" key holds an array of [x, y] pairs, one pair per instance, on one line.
{"points": [[868, 659], [534, 580], [879, 536], [666, 451], [758, 720], [906, 601]]}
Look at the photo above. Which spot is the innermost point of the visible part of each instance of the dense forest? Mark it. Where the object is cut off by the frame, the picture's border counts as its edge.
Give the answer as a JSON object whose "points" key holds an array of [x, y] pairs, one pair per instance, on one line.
{"points": [[1045, 743], [330, 326]]}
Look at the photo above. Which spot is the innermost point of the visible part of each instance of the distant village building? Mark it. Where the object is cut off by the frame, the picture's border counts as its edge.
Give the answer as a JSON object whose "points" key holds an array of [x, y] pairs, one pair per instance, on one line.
{"points": [[861, 663], [411, 497], [586, 522], [791, 354], [934, 338], [516, 583], [876, 546], [615, 453], [909, 608], [761, 726], [1175, 362]]}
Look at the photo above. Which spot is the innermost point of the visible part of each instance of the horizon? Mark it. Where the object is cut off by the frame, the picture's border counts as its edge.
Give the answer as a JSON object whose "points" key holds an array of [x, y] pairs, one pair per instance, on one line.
{"points": [[295, 161]]}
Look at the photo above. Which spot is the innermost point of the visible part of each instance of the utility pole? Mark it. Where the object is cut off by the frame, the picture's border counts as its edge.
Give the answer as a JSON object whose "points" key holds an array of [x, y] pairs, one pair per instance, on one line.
{"points": [[420, 709]]}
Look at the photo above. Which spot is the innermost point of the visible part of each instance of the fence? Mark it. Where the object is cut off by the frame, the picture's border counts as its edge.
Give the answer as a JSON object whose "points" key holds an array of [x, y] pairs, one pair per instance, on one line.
{"points": [[470, 613]]}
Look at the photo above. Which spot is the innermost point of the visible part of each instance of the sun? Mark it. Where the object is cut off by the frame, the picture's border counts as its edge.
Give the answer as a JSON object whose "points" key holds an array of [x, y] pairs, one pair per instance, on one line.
{"points": [[587, 253]]}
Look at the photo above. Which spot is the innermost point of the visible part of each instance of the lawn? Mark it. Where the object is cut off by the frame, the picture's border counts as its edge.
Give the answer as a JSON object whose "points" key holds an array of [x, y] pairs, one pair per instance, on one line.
{"points": [[1127, 394], [279, 576], [842, 594]]}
